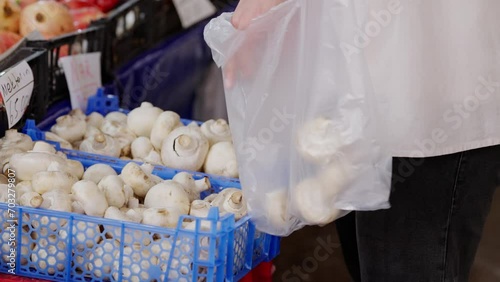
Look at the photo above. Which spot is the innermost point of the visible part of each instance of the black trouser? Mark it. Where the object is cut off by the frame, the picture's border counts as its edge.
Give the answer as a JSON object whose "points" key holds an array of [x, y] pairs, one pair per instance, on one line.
{"points": [[432, 231]]}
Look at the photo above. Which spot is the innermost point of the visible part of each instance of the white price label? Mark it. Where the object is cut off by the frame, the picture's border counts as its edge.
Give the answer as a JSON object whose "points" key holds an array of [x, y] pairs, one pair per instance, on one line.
{"points": [[83, 75], [16, 87], [192, 11]]}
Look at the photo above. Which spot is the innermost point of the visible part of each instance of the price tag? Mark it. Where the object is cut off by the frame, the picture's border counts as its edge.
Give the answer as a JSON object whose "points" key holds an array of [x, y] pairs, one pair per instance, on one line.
{"points": [[83, 74], [192, 11], [16, 87]]}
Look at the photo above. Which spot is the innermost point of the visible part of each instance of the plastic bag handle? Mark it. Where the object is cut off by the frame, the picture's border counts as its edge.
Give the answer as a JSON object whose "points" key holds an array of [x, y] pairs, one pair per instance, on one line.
{"points": [[225, 40]]}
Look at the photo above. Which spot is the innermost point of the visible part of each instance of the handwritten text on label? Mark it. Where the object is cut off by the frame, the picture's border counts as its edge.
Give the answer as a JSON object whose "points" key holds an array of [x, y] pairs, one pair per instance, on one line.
{"points": [[16, 88], [83, 74]]}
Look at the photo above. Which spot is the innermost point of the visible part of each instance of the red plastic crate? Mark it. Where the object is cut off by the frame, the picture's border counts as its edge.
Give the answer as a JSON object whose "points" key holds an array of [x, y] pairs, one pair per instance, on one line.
{"points": [[13, 278]]}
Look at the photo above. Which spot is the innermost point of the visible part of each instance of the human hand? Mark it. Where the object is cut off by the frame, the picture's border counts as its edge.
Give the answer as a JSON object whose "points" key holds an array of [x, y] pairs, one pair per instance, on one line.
{"points": [[245, 12]]}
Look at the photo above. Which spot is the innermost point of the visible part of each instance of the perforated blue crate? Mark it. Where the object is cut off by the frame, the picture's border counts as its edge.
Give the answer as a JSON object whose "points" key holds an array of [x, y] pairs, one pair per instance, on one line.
{"points": [[64, 246]]}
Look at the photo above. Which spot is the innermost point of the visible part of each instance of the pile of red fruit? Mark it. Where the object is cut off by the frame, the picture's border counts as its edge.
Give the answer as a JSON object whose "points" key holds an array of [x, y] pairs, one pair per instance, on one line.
{"points": [[51, 18]]}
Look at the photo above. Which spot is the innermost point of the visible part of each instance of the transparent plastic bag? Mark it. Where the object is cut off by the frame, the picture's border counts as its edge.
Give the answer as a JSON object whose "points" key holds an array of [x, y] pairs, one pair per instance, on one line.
{"points": [[302, 115]]}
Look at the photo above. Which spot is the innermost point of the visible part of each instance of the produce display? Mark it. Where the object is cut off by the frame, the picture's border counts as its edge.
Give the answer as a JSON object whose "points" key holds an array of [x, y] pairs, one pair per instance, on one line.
{"points": [[47, 179], [7, 40], [150, 135], [119, 220], [49, 17], [43, 174]]}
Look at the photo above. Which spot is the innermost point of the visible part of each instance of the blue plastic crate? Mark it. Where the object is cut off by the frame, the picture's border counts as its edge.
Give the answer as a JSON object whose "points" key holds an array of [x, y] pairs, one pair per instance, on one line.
{"points": [[105, 104], [75, 247]]}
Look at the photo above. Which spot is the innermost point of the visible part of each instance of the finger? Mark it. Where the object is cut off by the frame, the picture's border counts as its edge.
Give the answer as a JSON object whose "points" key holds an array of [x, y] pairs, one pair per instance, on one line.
{"points": [[249, 56], [245, 12], [229, 74]]}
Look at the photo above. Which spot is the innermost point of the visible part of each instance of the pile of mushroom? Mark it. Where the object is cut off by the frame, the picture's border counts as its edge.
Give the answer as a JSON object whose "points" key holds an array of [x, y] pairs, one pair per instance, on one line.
{"points": [[150, 135], [48, 179]]}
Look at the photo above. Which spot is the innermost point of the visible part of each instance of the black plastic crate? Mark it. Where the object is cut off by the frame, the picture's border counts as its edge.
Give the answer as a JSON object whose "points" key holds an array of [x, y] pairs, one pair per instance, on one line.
{"points": [[126, 34], [166, 20], [37, 59], [79, 42], [225, 4]]}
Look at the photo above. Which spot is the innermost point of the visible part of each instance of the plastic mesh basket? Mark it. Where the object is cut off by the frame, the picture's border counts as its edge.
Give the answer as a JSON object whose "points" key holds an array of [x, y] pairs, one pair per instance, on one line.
{"points": [[70, 247]]}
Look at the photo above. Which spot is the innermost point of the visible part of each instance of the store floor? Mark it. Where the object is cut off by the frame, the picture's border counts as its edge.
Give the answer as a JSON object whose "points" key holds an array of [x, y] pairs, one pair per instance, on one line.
{"points": [[300, 246]]}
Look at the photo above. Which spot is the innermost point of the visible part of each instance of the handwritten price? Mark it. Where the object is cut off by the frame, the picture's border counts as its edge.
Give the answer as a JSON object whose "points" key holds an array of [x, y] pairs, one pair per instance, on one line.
{"points": [[81, 70], [19, 106], [16, 88], [83, 74]]}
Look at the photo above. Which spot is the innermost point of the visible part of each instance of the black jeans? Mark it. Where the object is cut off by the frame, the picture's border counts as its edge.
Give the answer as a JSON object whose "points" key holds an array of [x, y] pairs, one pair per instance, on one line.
{"points": [[432, 231]]}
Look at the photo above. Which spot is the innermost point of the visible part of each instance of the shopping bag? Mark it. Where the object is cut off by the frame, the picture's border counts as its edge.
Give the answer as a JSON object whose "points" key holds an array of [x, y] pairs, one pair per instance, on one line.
{"points": [[302, 114]]}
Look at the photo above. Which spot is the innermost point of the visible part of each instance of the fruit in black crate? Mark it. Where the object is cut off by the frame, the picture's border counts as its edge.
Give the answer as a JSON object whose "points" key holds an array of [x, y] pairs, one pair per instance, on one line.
{"points": [[84, 16], [9, 16], [7, 40], [50, 18]]}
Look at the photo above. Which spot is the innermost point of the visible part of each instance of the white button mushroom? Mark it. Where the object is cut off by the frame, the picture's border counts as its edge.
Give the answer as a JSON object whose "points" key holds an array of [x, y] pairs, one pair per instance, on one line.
{"points": [[140, 181], [169, 195], [119, 131], [87, 193], [185, 148], [101, 144], [56, 200], [221, 160], [117, 116], [116, 191], [31, 199], [27, 164], [166, 122], [41, 146], [141, 147], [161, 217], [199, 208], [216, 131], [46, 181], [141, 120], [70, 128], [192, 187], [311, 204], [49, 136], [231, 200], [14, 139], [319, 141], [97, 172], [95, 119]]}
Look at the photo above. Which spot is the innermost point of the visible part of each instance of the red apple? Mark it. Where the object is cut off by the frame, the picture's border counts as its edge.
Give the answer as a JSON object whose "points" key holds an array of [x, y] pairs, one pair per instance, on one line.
{"points": [[7, 40], [78, 4], [108, 5], [83, 17]]}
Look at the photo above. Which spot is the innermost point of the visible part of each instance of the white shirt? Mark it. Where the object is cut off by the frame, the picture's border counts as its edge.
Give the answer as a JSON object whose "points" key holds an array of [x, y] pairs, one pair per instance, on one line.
{"points": [[435, 68]]}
